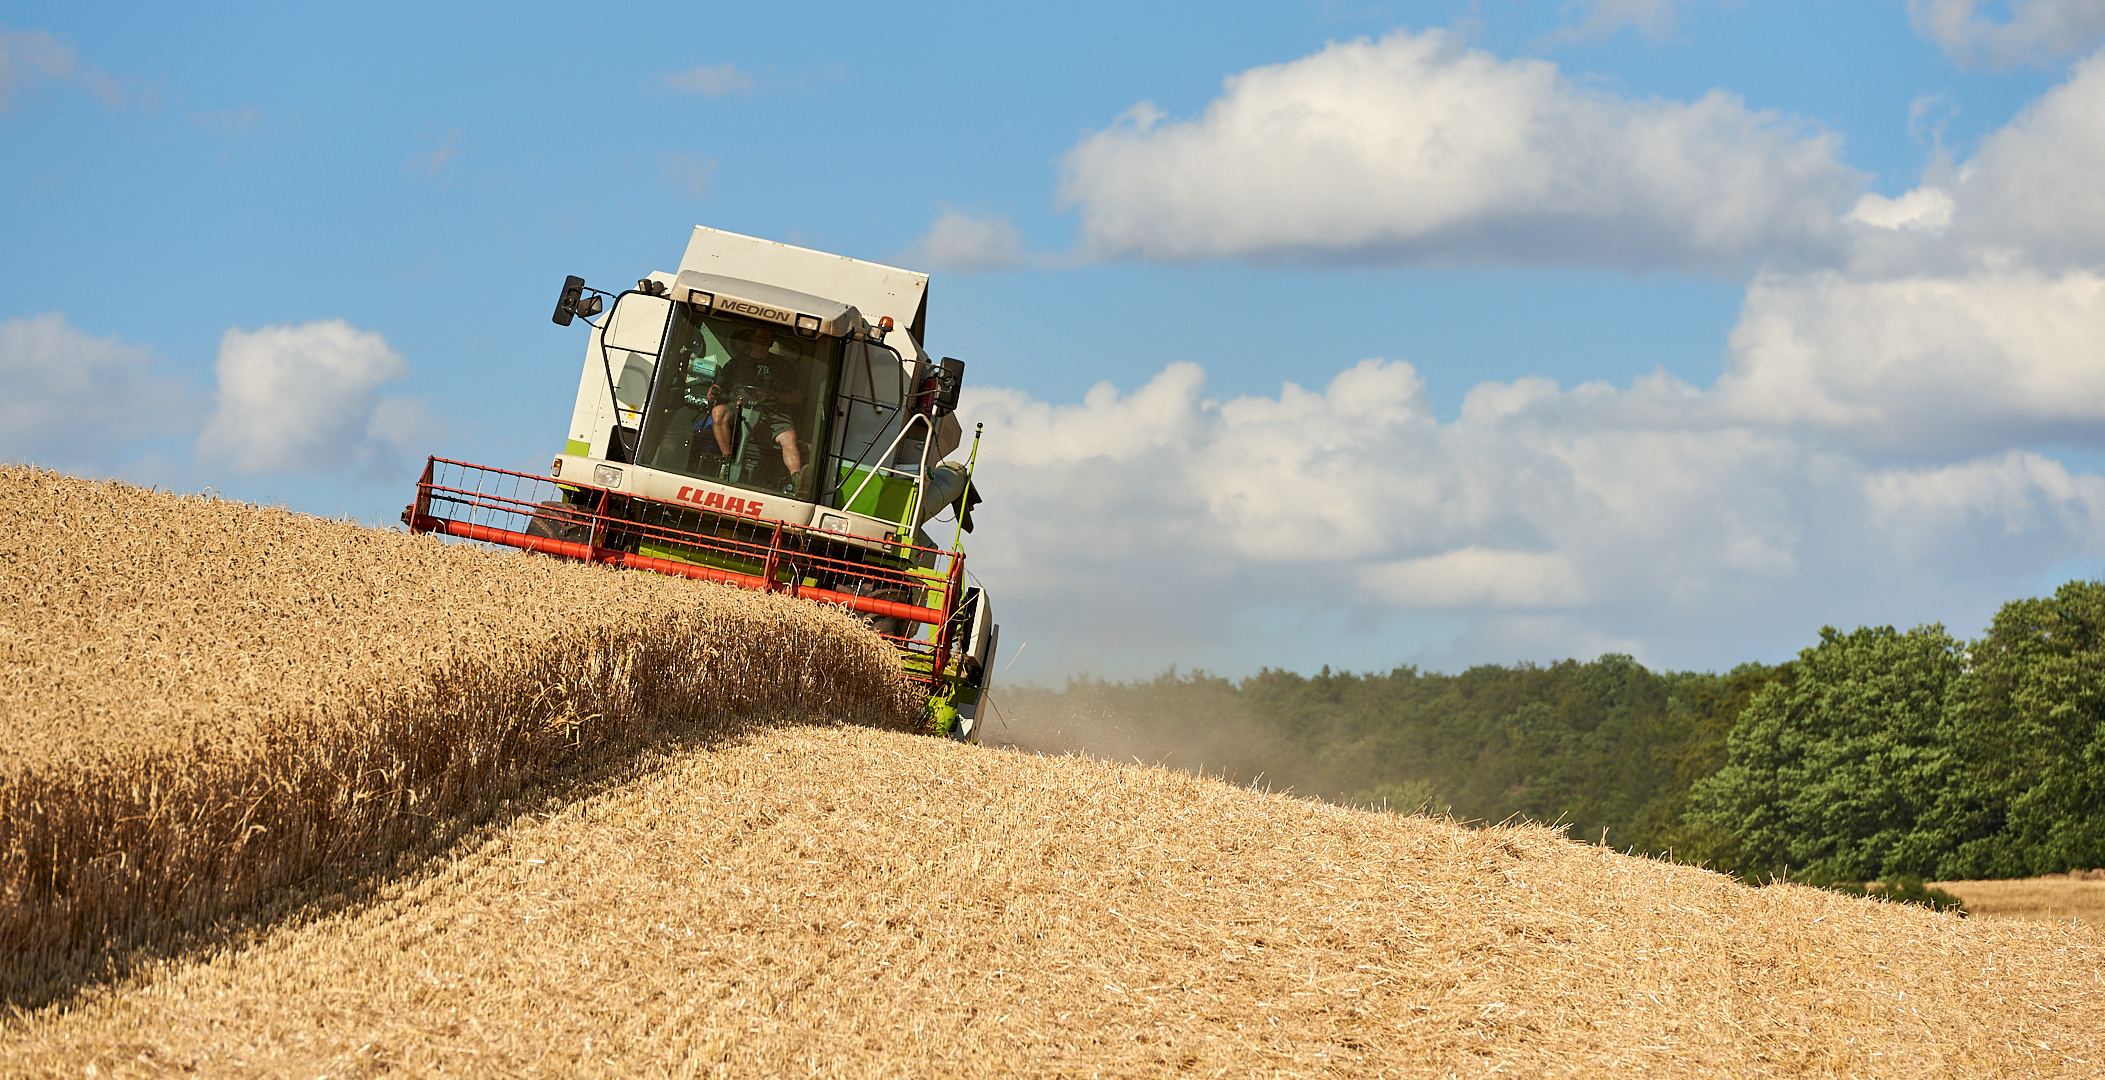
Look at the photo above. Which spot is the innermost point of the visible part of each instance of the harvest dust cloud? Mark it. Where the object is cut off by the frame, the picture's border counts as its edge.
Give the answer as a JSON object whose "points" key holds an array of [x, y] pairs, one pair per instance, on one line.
{"points": [[1215, 736]]}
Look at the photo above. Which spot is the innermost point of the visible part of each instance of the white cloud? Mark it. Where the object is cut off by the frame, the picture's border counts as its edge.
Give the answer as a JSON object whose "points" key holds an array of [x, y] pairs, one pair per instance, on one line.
{"points": [[1970, 313], [1868, 455], [2034, 186], [1932, 365], [709, 80], [1921, 210], [960, 242], [28, 57], [301, 400], [1871, 452], [2038, 32], [1474, 577], [1414, 148], [1931, 512], [69, 399], [1132, 530]]}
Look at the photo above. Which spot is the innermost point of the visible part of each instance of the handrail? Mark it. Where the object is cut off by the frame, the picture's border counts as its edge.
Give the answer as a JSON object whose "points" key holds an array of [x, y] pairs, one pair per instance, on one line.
{"points": [[920, 482]]}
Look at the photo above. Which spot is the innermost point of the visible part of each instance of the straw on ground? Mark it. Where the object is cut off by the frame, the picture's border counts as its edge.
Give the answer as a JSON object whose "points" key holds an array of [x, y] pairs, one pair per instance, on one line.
{"points": [[206, 701], [848, 902]]}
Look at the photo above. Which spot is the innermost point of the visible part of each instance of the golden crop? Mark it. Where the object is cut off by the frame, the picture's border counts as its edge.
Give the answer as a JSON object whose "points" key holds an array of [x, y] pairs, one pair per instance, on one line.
{"points": [[209, 701], [206, 700], [2054, 898], [842, 902]]}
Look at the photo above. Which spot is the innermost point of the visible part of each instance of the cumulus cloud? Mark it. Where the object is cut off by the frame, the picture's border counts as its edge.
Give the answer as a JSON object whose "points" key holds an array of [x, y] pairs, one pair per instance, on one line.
{"points": [[1872, 452], [965, 243], [1540, 522], [2033, 188], [1922, 210], [1474, 577], [1969, 313], [29, 57], [2038, 32], [2027, 197], [303, 400], [1416, 148], [1924, 365], [69, 399]]}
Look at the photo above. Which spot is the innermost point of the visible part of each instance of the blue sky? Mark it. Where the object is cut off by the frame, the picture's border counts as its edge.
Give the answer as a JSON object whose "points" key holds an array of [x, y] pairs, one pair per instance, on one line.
{"points": [[1719, 398]]}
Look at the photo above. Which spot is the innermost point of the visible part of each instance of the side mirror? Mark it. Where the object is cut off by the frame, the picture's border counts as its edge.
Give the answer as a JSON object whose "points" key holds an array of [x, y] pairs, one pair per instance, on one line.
{"points": [[949, 381], [566, 304]]}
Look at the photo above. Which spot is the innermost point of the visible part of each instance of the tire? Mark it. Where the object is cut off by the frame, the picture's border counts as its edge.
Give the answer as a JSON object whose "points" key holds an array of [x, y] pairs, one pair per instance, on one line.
{"points": [[558, 526]]}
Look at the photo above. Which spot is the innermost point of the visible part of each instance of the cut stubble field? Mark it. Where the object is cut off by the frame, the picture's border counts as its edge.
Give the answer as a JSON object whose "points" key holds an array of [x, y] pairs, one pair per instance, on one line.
{"points": [[2052, 899], [809, 897], [847, 902]]}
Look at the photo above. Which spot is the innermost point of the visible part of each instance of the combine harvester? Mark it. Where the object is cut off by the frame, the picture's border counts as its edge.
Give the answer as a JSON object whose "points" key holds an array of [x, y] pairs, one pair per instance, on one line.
{"points": [[760, 419]]}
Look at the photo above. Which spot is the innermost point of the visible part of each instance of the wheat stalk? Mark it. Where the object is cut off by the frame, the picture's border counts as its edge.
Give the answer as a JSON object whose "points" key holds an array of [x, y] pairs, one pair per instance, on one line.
{"points": [[208, 701]]}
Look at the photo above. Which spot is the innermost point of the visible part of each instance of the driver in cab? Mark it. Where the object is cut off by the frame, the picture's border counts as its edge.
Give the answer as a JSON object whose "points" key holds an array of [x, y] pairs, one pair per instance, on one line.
{"points": [[759, 378]]}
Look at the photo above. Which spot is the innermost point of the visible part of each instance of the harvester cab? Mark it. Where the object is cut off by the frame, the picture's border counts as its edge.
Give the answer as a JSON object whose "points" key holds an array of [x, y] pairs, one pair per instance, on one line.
{"points": [[764, 416]]}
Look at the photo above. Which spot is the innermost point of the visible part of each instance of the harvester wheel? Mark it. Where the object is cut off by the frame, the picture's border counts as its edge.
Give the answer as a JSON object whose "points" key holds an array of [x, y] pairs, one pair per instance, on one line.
{"points": [[558, 525], [883, 624]]}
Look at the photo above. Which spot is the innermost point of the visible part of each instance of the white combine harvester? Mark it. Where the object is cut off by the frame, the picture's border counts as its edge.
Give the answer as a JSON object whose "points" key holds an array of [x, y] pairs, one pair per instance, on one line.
{"points": [[763, 417]]}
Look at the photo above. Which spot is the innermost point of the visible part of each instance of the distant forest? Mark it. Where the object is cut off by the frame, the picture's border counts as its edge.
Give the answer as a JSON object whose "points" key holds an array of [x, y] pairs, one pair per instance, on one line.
{"points": [[1874, 755]]}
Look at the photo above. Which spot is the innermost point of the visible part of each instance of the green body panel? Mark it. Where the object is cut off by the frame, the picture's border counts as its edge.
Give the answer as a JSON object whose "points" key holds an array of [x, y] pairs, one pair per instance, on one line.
{"points": [[581, 449], [887, 497], [947, 700]]}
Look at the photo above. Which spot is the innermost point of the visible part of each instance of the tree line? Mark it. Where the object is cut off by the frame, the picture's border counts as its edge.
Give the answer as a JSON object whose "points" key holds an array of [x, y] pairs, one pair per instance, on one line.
{"points": [[1873, 755]]}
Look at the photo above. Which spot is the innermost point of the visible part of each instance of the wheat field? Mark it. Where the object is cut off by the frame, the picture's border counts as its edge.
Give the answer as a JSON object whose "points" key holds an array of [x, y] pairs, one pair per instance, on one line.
{"points": [[841, 901], [206, 701], [215, 704], [2054, 898]]}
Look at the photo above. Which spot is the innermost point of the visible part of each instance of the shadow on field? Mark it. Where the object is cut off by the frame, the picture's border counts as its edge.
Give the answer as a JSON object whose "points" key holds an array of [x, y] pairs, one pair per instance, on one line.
{"points": [[350, 884], [231, 712]]}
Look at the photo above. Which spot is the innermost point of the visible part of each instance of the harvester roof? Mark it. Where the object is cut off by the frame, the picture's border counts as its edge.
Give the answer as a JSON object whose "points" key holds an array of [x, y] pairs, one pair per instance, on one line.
{"points": [[769, 303], [876, 290]]}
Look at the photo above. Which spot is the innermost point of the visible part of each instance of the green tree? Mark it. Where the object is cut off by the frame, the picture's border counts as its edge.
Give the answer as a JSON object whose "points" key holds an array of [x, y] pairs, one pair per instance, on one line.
{"points": [[1831, 771], [1702, 709], [1590, 746], [2026, 790]]}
